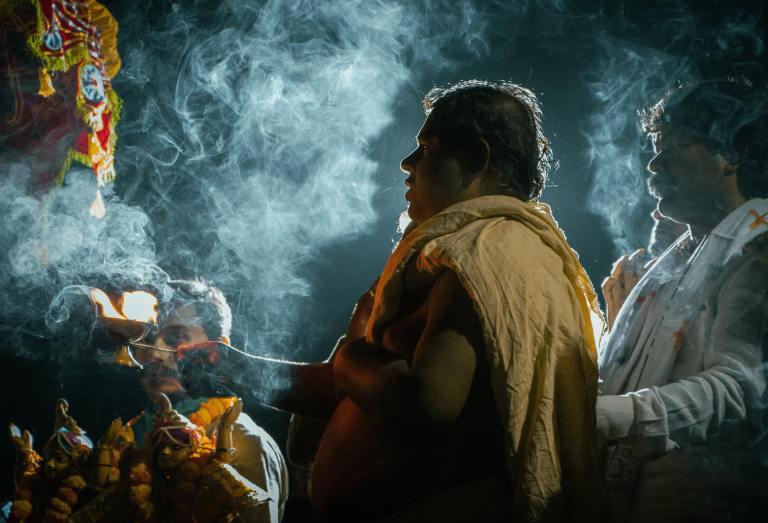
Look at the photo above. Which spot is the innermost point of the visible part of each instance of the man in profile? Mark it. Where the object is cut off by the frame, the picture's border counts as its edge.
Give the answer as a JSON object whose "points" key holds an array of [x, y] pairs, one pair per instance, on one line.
{"points": [[468, 394], [682, 369]]}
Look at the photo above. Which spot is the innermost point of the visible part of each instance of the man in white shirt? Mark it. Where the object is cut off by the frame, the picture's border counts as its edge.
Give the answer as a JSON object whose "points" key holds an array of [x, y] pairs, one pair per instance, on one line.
{"points": [[199, 314], [682, 379]]}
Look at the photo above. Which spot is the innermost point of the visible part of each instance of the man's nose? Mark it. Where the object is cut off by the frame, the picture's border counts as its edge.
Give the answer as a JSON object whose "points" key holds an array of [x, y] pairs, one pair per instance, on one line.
{"points": [[168, 361], [406, 164], [161, 359], [655, 163]]}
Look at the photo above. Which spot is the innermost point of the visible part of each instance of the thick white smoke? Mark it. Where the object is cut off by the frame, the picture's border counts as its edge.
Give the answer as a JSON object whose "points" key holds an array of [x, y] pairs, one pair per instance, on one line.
{"points": [[627, 80], [248, 132], [245, 147], [51, 242]]}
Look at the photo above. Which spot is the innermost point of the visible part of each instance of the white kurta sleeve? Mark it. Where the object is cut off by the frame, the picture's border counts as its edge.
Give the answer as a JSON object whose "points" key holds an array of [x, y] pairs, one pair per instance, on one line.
{"points": [[730, 386], [259, 459]]}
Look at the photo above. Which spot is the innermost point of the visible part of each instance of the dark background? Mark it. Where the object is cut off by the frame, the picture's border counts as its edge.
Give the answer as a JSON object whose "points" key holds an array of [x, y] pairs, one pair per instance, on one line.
{"points": [[196, 150]]}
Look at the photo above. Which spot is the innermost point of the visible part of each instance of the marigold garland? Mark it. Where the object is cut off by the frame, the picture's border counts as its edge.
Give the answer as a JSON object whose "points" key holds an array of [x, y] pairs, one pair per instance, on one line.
{"points": [[140, 491], [68, 495], [63, 502], [23, 494], [206, 414], [75, 481], [21, 509], [212, 409]]}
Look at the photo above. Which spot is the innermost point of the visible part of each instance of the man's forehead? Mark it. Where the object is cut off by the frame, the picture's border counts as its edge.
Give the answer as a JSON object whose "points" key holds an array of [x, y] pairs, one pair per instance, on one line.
{"points": [[672, 135], [428, 131], [183, 316]]}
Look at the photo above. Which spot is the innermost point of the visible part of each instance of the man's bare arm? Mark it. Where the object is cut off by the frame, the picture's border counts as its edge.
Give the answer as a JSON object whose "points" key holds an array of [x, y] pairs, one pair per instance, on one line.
{"points": [[434, 386], [307, 389]]}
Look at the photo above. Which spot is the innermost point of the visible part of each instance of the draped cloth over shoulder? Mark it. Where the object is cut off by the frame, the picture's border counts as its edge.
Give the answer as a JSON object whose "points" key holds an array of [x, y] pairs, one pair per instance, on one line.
{"points": [[537, 309]]}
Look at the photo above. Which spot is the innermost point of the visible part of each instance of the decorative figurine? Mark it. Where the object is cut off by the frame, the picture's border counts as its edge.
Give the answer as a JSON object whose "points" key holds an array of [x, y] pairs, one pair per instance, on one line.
{"points": [[118, 438], [49, 488], [184, 475]]}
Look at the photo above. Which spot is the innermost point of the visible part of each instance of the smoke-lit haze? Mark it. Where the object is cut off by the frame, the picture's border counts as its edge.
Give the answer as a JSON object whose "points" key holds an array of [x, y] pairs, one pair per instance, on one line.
{"points": [[259, 146], [52, 243], [644, 54], [247, 135], [243, 150]]}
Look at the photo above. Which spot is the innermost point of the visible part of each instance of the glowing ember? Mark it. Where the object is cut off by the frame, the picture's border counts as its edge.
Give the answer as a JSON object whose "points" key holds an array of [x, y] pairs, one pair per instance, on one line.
{"points": [[98, 210], [139, 306], [105, 304]]}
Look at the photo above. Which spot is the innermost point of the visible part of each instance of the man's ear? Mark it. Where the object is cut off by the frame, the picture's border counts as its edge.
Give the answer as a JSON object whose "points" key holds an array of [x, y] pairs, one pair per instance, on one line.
{"points": [[225, 340], [726, 165], [480, 157]]}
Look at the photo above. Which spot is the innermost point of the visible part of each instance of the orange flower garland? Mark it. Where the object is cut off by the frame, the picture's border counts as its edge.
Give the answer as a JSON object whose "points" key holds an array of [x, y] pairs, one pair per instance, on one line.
{"points": [[140, 492], [211, 409], [22, 496], [62, 503]]}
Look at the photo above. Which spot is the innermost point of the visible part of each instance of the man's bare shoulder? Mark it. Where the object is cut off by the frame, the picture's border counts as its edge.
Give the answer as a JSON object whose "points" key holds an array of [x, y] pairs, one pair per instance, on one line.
{"points": [[449, 305]]}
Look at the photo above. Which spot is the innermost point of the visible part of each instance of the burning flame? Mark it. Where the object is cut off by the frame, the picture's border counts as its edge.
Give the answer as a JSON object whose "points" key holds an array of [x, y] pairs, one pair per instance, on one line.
{"points": [[135, 306], [105, 304], [139, 306], [98, 210]]}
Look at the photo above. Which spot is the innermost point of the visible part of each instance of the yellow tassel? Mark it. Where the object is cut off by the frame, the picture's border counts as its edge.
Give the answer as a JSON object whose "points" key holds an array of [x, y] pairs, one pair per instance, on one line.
{"points": [[94, 148], [46, 84]]}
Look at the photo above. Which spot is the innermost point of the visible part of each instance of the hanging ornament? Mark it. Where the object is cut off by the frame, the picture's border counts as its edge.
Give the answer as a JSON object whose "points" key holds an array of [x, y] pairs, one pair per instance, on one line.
{"points": [[81, 37]]}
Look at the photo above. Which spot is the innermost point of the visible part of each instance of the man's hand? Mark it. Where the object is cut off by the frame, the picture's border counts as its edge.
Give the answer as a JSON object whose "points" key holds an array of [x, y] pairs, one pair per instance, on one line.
{"points": [[626, 272], [225, 446], [230, 416]]}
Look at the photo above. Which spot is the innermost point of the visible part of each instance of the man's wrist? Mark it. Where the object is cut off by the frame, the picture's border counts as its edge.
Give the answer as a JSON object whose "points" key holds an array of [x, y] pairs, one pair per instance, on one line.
{"points": [[615, 416]]}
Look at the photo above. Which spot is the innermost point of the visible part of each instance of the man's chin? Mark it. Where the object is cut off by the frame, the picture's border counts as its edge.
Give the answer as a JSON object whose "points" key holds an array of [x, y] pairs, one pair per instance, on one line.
{"points": [[670, 211], [410, 215]]}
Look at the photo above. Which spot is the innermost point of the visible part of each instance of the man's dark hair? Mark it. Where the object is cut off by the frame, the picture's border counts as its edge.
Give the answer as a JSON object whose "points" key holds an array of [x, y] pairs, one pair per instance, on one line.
{"points": [[210, 305], [505, 115], [728, 116]]}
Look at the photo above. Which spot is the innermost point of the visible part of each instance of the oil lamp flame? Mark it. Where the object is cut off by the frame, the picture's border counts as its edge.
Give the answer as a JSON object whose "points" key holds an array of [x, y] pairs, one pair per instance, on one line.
{"points": [[139, 306], [105, 304], [135, 306], [129, 322]]}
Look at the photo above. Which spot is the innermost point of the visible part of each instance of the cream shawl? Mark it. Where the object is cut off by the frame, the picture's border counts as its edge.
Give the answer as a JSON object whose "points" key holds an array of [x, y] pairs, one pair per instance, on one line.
{"points": [[536, 306]]}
